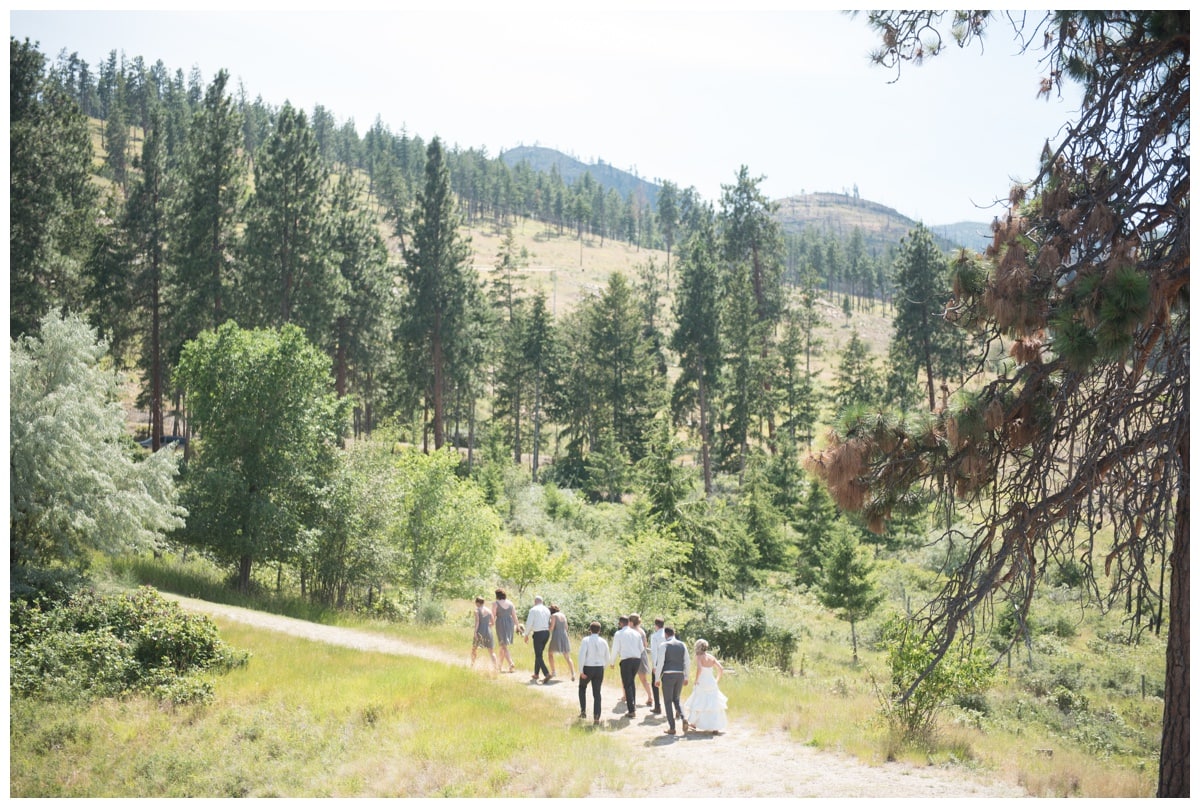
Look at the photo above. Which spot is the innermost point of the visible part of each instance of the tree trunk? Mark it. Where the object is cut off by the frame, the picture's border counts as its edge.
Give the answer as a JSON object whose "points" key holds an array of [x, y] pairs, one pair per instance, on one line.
{"points": [[705, 460], [537, 405], [156, 374], [244, 574], [1174, 762], [439, 415], [339, 360]]}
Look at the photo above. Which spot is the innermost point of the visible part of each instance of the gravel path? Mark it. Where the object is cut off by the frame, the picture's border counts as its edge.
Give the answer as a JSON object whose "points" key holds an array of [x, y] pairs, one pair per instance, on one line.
{"points": [[744, 761]]}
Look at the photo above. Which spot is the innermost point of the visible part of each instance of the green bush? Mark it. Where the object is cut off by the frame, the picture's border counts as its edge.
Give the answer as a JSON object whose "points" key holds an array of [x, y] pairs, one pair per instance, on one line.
{"points": [[962, 674], [95, 646], [747, 637]]}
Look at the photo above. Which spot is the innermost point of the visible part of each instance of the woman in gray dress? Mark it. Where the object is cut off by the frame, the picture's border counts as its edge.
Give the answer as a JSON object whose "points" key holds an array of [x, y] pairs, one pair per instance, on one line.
{"points": [[560, 642], [483, 632], [504, 613]]}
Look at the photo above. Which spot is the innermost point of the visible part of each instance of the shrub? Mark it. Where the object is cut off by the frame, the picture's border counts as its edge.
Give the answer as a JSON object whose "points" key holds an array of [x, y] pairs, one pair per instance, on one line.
{"points": [[748, 638], [95, 646], [963, 672]]}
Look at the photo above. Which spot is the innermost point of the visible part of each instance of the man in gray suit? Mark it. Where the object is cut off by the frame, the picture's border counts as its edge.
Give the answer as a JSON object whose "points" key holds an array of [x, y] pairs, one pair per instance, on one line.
{"points": [[671, 675]]}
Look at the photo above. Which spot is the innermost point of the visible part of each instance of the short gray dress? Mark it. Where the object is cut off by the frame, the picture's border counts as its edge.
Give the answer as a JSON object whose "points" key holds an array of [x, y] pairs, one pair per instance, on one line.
{"points": [[506, 621], [560, 643], [483, 634]]}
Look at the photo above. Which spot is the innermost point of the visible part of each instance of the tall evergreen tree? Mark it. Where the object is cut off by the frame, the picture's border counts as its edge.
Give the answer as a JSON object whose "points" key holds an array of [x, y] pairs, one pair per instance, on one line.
{"points": [[51, 197], [697, 338], [213, 185], [622, 366], [147, 220], [538, 349], [287, 272], [922, 333], [752, 252], [668, 219], [364, 306], [436, 274]]}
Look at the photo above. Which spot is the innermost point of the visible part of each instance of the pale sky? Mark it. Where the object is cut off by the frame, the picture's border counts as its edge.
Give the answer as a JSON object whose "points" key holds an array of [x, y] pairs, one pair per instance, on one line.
{"points": [[687, 92]]}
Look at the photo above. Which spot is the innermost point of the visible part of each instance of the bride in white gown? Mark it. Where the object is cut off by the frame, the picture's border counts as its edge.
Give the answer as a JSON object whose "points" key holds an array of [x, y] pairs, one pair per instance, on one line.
{"points": [[705, 708]]}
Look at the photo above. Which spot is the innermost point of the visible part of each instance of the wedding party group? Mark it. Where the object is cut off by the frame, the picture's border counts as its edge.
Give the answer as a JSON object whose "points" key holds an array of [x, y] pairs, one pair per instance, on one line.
{"points": [[661, 662]]}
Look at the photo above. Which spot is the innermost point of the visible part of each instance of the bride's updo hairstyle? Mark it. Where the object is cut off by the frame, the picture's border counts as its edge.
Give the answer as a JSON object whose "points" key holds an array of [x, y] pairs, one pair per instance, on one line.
{"points": [[701, 646]]}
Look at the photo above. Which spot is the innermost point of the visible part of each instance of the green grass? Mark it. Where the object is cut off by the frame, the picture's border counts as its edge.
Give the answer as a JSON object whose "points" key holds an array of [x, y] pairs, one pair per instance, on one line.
{"points": [[829, 701], [306, 719]]}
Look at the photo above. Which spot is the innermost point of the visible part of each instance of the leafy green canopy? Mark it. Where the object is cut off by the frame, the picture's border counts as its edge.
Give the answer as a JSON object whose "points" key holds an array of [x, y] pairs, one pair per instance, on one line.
{"points": [[269, 427]]}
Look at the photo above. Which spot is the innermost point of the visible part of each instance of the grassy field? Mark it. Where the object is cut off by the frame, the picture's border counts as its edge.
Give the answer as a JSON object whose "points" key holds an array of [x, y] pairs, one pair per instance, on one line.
{"points": [[313, 720]]}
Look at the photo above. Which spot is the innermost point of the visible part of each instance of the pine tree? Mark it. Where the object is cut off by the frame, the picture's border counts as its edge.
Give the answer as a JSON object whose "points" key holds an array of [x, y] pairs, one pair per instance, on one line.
{"points": [[287, 272], [147, 220], [364, 307], [437, 274], [1084, 450], [752, 257], [845, 584], [922, 334], [697, 338], [857, 379], [213, 185], [51, 196]]}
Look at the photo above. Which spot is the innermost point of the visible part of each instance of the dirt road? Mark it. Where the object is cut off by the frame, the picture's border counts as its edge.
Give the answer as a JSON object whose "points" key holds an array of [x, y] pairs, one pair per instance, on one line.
{"points": [[741, 762]]}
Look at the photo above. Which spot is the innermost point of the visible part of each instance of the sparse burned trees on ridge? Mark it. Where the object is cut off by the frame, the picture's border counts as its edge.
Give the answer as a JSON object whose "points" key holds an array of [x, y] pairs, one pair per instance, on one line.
{"points": [[1077, 447]]}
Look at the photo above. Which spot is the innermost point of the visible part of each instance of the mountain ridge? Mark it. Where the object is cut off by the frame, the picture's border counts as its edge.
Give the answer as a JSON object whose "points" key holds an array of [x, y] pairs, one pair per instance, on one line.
{"points": [[828, 211]]}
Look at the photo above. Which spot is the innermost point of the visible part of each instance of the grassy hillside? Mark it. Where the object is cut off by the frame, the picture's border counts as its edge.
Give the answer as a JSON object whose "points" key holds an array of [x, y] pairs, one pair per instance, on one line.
{"points": [[839, 214], [562, 266]]}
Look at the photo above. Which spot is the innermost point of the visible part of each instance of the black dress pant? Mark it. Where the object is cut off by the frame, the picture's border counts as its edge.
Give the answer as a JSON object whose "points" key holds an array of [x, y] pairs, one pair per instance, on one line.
{"points": [[629, 669], [540, 639], [595, 677]]}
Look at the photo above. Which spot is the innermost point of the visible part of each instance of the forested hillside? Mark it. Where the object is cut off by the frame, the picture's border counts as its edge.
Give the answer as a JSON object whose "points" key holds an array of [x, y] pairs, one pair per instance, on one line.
{"points": [[398, 373]]}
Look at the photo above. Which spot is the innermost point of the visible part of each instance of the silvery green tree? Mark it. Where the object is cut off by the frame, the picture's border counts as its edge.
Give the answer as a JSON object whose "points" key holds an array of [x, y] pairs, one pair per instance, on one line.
{"points": [[269, 428], [1077, 447], [78, 481]]}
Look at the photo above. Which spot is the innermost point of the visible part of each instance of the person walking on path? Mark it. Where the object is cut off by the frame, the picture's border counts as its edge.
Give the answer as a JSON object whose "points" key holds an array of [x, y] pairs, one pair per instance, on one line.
{"points": [[504, 615], [705, 708], [593, 655], [537, 623], [483, 632], [627, 647], [560, 641], [644, 669], [656, 640], [671, 676]]}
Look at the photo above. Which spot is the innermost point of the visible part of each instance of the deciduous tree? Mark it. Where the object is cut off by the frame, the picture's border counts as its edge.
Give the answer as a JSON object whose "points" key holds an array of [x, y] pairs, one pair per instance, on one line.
{"points": [[78, 482], [269, 428]]}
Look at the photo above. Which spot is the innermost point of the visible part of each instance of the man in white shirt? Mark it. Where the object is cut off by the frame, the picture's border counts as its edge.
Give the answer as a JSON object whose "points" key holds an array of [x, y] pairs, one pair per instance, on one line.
{"points": [[537, 623], [593, 656], [627, 647], [656, 640]]}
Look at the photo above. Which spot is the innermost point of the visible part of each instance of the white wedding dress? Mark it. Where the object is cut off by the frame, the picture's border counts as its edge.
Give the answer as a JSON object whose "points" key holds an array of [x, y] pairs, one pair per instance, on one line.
{"points": [[705, 708]]}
